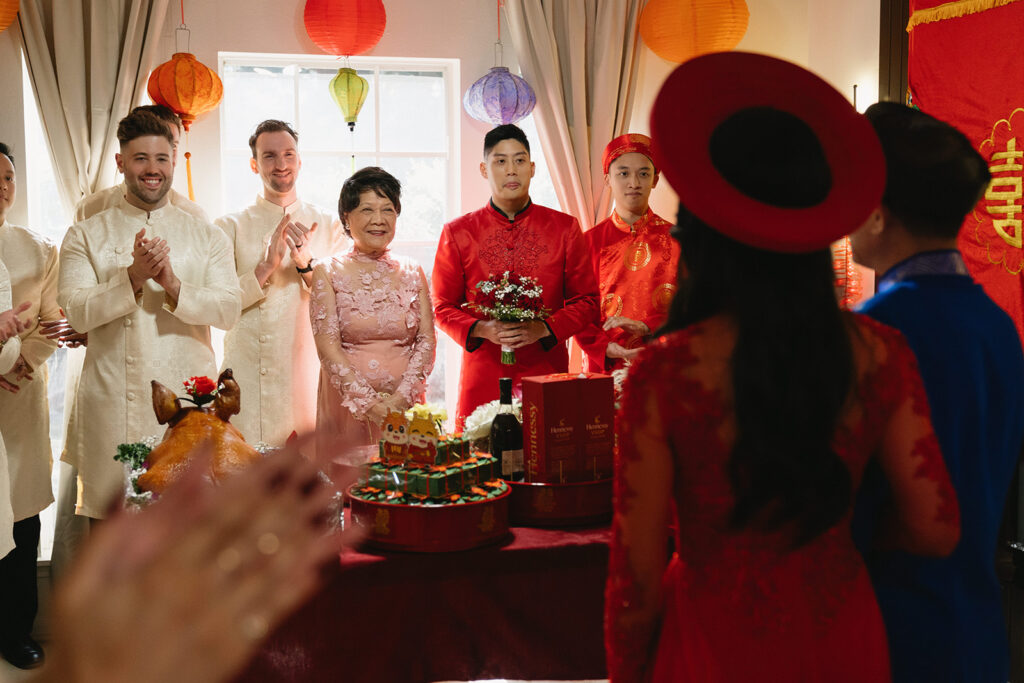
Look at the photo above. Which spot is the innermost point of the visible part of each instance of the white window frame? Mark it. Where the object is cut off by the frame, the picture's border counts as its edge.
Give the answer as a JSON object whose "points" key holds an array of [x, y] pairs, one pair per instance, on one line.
{"points": [[450, 68], [453, 201]]}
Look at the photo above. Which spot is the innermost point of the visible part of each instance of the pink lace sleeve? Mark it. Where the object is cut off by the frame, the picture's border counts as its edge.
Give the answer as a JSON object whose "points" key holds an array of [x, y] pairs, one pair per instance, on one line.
{"points": [[421, 357], [355, 392], [925, 515], [639, 529]]}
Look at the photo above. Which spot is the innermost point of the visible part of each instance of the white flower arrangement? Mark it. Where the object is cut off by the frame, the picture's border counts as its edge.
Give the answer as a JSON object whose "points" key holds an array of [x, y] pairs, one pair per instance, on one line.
{"points": [[618, 377], [478, 424]]}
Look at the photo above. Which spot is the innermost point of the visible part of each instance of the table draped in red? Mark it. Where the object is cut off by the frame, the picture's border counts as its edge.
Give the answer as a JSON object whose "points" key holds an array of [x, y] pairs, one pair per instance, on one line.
{"points": [[539, 242], [636, 268]]}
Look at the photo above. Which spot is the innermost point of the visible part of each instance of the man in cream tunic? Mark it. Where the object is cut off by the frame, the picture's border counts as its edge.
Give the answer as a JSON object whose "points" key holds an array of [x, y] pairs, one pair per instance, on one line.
{"points": [[69, 528], [145, 280], [271, 350], [10, 350], [31, 262]]}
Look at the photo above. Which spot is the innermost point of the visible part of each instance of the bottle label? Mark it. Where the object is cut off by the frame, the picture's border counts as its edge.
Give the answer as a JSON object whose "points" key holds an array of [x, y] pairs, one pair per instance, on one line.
{"points": [[511, 462]]}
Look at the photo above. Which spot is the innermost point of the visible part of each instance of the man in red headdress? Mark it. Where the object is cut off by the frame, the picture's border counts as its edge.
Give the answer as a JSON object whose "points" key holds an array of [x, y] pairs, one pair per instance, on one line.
{"points": [[511, 234], [634, 256]]}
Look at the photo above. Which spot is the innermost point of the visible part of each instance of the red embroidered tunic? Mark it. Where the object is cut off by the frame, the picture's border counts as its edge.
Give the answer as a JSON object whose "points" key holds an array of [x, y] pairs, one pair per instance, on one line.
{"points": [[539, 242], [744, 605], [635, 267]]}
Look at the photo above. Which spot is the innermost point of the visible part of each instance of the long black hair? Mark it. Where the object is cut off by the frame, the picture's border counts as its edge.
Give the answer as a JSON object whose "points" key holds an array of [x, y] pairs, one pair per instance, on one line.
{"points": [[792, 372]]}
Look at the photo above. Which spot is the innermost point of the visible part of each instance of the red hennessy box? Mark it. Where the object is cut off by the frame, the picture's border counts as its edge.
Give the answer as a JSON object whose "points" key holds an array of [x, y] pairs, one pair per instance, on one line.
{"points": [[568, 433]]}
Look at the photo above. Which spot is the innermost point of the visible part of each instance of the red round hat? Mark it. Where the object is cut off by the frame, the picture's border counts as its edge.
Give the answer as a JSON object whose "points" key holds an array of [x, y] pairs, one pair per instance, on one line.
{"points": [[624, 144], [701, 94]]}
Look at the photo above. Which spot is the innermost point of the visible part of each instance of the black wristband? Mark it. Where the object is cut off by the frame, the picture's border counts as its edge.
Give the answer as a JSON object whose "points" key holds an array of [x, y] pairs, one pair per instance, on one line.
{"points": [[307, 269]]}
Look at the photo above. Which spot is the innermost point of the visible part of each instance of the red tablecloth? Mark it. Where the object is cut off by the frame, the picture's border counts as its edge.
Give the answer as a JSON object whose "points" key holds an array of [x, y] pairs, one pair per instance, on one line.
{"points": [[529, 609]]}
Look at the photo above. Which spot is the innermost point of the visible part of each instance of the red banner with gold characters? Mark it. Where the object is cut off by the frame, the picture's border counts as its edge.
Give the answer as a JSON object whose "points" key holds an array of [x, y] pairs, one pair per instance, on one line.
{"points": [[966, 68]]}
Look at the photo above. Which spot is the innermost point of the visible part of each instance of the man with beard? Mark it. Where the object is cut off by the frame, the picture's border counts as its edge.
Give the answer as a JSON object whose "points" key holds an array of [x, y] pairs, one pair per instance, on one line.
{"points": [[275, 240], [69, 529], [111, 196], [145, 280]]}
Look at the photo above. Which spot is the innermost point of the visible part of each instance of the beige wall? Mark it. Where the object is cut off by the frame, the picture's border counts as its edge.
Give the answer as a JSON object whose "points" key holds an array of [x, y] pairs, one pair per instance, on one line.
{"points": [[842, 48], [463, 29], [12, 115]]}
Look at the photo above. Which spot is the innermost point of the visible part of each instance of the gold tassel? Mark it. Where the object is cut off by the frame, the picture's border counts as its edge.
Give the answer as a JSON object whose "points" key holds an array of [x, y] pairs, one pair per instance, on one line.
{"points": [[188, 172], [953, 10]]}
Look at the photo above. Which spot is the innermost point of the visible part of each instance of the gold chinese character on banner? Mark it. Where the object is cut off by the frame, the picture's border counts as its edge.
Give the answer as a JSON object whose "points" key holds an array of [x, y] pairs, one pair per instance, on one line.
{"points": [[999, 216], [1006, 190]]}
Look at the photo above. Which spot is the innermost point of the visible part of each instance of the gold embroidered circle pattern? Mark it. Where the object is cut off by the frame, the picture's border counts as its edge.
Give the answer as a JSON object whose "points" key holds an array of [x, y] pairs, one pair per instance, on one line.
{"points": [[662, 297], [611, 305], [638, 255]]}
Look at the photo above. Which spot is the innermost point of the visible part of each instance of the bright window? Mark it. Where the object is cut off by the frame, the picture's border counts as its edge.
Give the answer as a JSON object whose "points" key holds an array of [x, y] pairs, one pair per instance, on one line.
{"points": [[408, 125]]}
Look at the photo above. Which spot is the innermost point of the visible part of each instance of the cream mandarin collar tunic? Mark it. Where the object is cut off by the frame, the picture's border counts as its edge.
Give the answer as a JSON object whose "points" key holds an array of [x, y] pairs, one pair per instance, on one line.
{"points": [[110, 197], [31, 262], [271, 350], [8, 354], [135, 340]]}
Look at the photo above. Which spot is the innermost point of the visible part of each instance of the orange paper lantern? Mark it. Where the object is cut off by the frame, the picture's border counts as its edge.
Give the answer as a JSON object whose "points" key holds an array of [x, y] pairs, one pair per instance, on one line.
{"points": [[8, 10], [186, 86], [679, 30], [345, 27]]}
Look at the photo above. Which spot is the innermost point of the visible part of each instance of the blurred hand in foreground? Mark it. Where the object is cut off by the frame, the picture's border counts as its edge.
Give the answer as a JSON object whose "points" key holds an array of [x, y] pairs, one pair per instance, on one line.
{"points": [[188, 588]]}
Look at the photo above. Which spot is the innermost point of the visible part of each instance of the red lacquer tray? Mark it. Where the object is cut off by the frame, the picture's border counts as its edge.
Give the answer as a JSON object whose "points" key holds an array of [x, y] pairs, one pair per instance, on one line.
{"points": [[432, 528], [552, 505]]}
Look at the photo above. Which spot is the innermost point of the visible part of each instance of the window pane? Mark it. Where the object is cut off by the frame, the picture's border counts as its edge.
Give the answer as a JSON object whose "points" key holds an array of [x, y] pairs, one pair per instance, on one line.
{"points": [[542, 189], [424, 195], [257, 93], [413, 111], [323, 174], [322, 124], [240, 184]]}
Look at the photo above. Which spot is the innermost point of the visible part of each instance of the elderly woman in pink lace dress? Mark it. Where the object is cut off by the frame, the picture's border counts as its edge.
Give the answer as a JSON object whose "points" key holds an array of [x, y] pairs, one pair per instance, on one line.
{"points": [[371, 316]]}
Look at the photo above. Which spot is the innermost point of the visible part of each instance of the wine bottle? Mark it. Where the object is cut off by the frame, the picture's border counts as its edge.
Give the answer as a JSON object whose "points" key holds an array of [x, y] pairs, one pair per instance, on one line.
{"points": [[507, 435]]}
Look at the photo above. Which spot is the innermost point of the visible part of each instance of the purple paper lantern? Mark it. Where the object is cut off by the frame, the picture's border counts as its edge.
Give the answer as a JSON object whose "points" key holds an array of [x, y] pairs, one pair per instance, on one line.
{"points": [[499, 97]]}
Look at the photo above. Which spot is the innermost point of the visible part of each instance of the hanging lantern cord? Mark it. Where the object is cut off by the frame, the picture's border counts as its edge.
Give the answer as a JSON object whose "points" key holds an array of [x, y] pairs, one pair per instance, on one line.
{"points": [[182, 32], [498, 48]]}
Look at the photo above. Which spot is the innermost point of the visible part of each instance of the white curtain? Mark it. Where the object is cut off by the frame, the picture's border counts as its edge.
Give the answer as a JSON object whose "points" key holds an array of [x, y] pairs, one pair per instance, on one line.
{"points": [[88, 61], [580, 56]]}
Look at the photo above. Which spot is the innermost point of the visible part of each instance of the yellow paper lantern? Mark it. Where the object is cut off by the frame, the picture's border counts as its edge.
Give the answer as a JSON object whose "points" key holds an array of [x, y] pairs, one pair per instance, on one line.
{"points": [[678, 30], [349, 90], [8, 10]]}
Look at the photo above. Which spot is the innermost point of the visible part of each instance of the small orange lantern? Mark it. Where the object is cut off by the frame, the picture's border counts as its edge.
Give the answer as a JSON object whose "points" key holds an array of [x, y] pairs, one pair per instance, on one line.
{"points": [[678, 31], [8, 10], [186, 86], [345, 27]]}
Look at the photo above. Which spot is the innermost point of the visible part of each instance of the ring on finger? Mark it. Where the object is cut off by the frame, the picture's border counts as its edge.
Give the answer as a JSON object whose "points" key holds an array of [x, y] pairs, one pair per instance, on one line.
{"points": [[228, 560], [268, 543], [253, 626]]}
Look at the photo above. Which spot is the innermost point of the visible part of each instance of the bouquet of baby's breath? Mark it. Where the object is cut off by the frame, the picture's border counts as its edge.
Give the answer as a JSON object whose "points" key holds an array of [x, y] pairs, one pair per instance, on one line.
{"points": [[509, 298]]}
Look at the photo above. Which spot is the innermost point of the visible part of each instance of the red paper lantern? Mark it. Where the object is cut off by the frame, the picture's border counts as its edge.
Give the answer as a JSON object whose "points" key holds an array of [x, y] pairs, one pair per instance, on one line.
{"points": [[186, 86], [678, 30], [8, 10], [345, 27]]}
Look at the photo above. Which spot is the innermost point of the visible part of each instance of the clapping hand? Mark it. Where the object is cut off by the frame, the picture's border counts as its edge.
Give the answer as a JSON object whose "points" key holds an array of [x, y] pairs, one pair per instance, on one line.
{"points": [[11, 324], [298, 238], [148, 258], [63, 332]]}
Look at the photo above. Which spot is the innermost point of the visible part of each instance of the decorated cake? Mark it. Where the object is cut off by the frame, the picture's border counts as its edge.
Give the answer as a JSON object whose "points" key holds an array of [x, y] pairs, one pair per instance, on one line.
{"points": [[418, 464], [428, 491]]}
